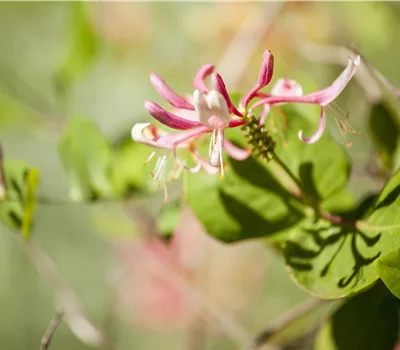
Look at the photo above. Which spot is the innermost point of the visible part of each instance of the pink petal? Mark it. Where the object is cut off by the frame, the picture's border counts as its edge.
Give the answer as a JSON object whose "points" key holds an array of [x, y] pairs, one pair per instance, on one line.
{"points": [[167, 118], [264, 77], [206, 165], [327, 95], [236, 152], [321, 128], [143, 133], [219, 85], [321, 97], [264, 113], [179, 138], [215, 122], [286, 87], [236, 122], [168, 94], [201, 74], [192, 170]]}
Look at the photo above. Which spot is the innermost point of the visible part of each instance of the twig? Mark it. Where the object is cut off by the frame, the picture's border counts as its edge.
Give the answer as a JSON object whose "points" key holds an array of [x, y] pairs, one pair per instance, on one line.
{"points": [[48, 334], [245, 42], [284, 321], [296, 189], [378, 75], [332, 54], [74, 315]]}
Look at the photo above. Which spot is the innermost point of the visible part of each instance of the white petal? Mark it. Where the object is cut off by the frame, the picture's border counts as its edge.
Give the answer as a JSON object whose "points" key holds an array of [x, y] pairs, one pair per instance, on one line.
{"points": [[218, 106], [201, 106], [216, 152], [138, 134]]}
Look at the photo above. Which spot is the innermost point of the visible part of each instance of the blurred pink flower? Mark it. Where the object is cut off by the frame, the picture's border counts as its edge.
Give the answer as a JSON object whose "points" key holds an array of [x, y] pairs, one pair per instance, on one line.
{"points": [[172, 283]]}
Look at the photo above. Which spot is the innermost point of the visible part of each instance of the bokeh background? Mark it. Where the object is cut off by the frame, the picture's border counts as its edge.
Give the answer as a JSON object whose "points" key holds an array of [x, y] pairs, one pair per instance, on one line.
{"points": [[59, 60]]}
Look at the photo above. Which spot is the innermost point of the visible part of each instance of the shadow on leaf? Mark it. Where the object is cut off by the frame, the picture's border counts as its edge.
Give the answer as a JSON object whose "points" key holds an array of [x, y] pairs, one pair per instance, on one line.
{"points": [[299, 257], [251, 222]]}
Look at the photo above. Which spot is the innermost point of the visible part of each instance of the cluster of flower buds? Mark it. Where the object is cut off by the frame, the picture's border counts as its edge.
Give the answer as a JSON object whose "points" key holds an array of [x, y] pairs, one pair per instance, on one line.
{"points": [[210, 110]]}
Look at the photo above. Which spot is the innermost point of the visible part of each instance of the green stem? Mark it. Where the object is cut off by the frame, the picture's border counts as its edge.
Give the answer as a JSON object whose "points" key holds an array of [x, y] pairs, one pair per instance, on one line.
{"points": [[280, 162], [300, 194]]}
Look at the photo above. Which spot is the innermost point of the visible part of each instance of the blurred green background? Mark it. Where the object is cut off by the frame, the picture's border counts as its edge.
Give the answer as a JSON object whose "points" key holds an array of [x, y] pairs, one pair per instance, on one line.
{"points": [[59, 60]]}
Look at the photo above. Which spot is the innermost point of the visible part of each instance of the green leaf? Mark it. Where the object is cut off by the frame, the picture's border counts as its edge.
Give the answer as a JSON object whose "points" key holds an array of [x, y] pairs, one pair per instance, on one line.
{"points": [[129, 173], [18, 206], [168, 217], [82, 47], [368, 321], [248, 203], [323, 167], [251, 202], [31, 183], [331, 261], [87, 158], [334, 261], [388, 268], [385, 133]]}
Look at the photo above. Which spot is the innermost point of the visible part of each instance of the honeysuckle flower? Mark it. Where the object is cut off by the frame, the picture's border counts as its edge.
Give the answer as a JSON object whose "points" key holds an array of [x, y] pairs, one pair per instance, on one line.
{"points": [[286, 91], [208, 111], [167, 146]]}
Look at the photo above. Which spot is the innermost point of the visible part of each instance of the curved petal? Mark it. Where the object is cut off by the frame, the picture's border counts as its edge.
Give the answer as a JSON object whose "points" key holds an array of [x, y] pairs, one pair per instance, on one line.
{"points": [[148, 134], [236, 122], [264, 113], [202, 73], [264, 77], [206, 165], [179, 139], [141, 132], [327, 95], [321, 128], [169, 119], [321, 97], [219, 85], [236, 152], [168, 94], [192, 170]]}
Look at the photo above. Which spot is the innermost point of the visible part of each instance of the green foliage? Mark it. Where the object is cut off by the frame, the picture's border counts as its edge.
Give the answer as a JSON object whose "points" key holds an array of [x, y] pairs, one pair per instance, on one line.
{"points": [[129, 173], [334, 261], [323, 168], [82, 48], [87, 158], [385, 133], [388, 268], [18, 206], [168, 217], [331, 261], [368, 321], [252, 201]]}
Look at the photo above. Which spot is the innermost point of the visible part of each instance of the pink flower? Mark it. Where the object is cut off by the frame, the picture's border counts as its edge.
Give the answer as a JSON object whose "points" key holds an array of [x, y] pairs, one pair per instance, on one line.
{"points": [[171, 284], [209, 111], [286, 90], [212, 111]]}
